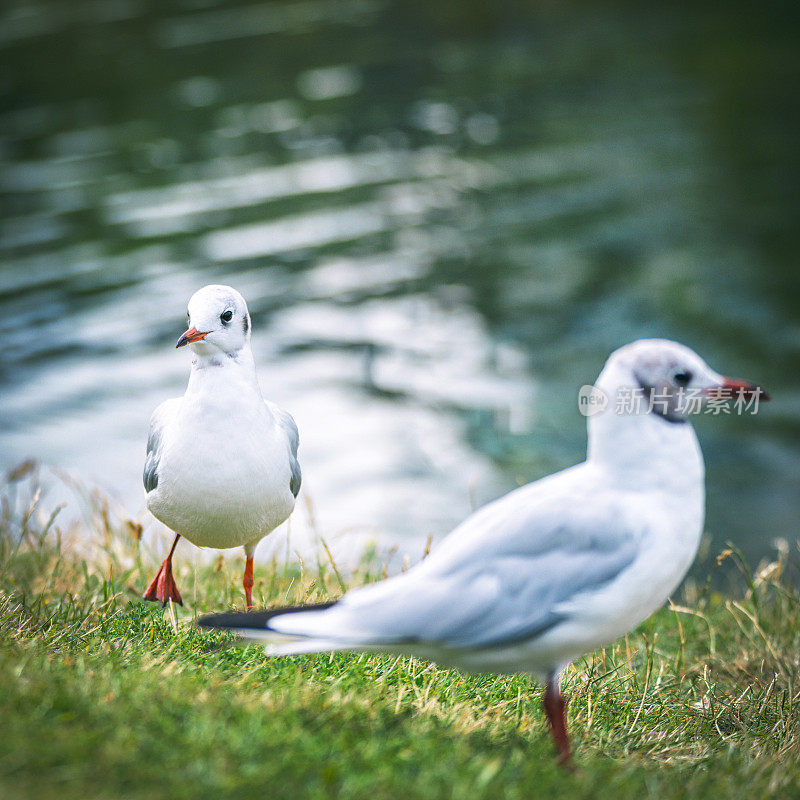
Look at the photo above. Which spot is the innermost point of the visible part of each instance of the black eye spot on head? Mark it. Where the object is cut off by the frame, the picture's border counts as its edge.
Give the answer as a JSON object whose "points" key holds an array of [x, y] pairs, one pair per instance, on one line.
{"points": [[245, 323], [226, 316], [683, 377]]}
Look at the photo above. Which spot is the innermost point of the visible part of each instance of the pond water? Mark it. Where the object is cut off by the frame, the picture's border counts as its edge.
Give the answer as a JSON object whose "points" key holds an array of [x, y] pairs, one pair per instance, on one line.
{"points": [[443, 216]]}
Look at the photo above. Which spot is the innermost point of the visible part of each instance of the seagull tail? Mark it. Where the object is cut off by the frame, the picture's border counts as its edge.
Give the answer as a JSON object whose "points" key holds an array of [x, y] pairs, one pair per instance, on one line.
{"points": [[254, 626]]}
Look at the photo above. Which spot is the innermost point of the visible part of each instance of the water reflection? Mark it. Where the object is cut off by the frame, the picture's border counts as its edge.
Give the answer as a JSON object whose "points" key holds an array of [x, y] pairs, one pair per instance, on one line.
{"points": [[443, 219]]}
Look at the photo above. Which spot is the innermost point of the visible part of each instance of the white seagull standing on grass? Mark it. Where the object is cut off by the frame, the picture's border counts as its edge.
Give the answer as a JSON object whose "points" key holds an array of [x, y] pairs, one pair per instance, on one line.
{"points": [[221, 467], [554, 569]]}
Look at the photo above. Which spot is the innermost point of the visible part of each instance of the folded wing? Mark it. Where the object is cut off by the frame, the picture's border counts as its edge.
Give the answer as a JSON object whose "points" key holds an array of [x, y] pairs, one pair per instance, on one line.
{"points": [[158, 420], [287, 424]]}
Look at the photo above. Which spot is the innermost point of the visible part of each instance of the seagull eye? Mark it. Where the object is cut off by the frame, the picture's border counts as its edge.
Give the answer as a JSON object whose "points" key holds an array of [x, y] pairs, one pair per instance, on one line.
{"points": [[682, 378], [226, 316]]}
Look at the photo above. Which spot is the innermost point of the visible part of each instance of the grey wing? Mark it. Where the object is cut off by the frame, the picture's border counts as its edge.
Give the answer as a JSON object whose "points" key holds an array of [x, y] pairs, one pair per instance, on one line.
{"points": [[289, 427], [155, 437], [526, 603], [513, 584]]}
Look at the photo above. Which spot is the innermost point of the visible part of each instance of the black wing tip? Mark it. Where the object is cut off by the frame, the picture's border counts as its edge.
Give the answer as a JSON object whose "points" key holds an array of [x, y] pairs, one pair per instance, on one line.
{"points": [[254, 620], [150, 477], [233, 619], [294, 482]]}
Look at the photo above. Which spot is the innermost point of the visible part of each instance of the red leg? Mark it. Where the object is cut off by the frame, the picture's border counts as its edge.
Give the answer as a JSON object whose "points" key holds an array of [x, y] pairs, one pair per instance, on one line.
{"points": [[554, 705], [247, 582], [162, 588]]}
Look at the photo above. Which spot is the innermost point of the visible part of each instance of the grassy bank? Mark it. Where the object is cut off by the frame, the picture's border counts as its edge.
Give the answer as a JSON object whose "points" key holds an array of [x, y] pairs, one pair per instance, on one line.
{"points": [[102, 695]]}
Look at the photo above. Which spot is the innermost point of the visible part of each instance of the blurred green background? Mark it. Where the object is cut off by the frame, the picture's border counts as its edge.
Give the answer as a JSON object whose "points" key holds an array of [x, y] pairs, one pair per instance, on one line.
{"points": [[443, 215]]}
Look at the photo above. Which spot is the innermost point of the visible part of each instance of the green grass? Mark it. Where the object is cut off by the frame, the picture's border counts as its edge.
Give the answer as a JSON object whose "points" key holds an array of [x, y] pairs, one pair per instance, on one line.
{"points": [[102, 695]]}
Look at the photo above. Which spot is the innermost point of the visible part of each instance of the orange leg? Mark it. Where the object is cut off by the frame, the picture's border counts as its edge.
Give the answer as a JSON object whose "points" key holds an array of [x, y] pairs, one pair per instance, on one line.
{"points": [[247, 582], [162, 588], [554, 706]]}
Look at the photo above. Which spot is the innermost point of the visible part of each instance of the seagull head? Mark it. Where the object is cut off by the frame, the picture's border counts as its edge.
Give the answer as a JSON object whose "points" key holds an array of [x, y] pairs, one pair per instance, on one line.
{"points": [[218, 322], [672, 380]]}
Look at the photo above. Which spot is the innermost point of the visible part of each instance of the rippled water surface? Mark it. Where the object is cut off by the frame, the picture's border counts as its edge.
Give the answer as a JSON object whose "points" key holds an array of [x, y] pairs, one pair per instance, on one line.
{"points": [[443, 216]]}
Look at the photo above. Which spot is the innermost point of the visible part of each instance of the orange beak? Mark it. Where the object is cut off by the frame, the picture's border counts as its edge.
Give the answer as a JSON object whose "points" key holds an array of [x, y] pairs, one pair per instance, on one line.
{"points": [[732, 388], [192, 335]]}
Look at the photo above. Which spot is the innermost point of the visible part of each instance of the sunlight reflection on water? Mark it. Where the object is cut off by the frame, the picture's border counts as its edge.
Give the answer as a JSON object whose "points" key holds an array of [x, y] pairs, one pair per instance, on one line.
{"points": [[442, 224]]}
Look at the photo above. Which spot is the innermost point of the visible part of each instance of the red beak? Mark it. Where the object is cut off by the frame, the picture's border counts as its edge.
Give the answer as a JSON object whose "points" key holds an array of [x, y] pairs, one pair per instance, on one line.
{"points": [[192, 335], [733, 388]]}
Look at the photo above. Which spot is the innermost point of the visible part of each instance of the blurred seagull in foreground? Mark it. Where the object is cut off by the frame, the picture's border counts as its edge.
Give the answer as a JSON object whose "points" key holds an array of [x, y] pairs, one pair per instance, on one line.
{"points": [[221, 468], [554, 569]]}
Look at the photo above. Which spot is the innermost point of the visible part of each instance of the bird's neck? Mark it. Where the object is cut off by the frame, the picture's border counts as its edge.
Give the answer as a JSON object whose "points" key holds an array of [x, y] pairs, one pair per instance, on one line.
{"points": [[640, 444], [234, 372]]}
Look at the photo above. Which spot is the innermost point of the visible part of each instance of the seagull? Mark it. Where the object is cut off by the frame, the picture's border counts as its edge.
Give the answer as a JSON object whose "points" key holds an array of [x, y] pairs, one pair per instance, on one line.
{"points": [[554, 569], [221, 468]]}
